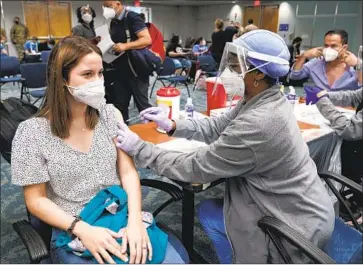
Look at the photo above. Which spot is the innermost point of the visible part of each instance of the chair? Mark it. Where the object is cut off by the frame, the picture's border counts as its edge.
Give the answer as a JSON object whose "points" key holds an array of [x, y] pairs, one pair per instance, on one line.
{"points": [[345, 244], [34, 77], [10, 70], [208, 67], [36, 238], [44, 56], [167, 73]]}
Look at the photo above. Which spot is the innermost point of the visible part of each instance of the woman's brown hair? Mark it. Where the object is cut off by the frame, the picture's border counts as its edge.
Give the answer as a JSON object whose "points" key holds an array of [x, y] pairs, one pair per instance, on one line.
{"points": [[63, 58], [219, 24]]}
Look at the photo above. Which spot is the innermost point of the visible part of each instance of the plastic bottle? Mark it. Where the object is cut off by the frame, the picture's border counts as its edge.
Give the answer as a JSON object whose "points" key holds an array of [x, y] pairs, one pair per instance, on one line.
{"points": [[189, 109], [291, 97]]}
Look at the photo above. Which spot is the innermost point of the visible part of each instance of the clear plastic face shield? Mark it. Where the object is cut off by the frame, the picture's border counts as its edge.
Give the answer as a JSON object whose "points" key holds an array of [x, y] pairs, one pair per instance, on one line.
{"points": [[234, 66]]}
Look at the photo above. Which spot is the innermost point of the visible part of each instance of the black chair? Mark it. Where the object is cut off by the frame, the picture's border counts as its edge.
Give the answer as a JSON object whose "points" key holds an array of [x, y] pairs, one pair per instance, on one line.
{"points": [[44, 56], [208, 67], [34, 80], [345, 245], [167, 73], [37, 240], [9, 70]]}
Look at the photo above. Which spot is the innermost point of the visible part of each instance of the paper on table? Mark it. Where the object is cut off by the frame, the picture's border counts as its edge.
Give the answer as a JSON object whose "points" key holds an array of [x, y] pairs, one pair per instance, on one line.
{"points": [[310, 114], [182, 145], [106, 44]]}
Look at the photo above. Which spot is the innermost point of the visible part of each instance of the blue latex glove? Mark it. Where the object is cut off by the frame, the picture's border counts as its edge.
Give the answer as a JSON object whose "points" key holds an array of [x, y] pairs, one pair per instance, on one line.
{"points": [[313, 94], [126, 139], [157, 115]]}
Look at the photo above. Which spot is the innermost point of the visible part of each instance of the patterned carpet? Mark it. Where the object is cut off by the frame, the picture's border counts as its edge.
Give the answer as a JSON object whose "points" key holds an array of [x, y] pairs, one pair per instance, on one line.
{"points": [[13, 209]]}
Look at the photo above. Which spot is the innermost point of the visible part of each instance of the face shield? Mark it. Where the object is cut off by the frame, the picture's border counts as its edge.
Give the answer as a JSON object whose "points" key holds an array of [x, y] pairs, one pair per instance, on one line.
{"points": [[236, 62]]}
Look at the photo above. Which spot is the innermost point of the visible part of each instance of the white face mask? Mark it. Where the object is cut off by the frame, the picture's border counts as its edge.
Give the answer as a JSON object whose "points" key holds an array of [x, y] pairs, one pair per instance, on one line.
{"points": [[330, 54], [91, 94], [203, 43], [109, 12], [87, 18], [233, 83]]}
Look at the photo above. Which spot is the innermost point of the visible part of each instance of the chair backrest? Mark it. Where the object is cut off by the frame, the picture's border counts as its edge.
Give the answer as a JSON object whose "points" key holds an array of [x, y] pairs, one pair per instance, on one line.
{"points": [[34, 74], [345, 244], [45, 56], [168, 67], [207, 63], [9, 66]]}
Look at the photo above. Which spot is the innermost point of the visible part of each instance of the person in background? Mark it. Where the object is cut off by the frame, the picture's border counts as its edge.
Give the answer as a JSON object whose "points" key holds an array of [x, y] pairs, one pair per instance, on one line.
{"points": [[294, 50], [218, 40], [31, 46], [250, 26], [189, 43], [128, 83], [46, 45], [200, 47], [254, 147], [3, 38], [2, 42], [231, 31], [331, 67], [85, 27], [157, 39], [18, 35], [175, 51]]}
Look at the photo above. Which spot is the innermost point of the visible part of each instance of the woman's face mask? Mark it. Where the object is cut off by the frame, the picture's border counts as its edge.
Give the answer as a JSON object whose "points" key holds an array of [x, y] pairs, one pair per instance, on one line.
{"points": [[91, 94], [109, 12], [87, 17], [203, 43]]}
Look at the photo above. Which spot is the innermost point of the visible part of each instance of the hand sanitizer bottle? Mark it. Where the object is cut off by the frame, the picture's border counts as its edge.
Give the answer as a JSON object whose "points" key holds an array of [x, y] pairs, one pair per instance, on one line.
{"points": [[291, 97], [189, 109]]}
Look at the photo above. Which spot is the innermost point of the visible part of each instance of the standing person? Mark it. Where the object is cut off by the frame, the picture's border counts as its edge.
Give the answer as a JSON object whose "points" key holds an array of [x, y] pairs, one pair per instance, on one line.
{"points": [[85, 27], [230, 32], [129, 84], [250, 26], [331, 67], [18, 35], [157, 39], [257, 147], [294, 50], [218, 40]]}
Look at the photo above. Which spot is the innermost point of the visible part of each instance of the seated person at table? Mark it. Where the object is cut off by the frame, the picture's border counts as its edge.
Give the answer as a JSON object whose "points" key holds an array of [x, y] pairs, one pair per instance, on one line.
{"points": [[46, 45], [175, 51], [257, 147], [66, 154], [331, 67], [31, 46], [3, 51], [200, 47]]}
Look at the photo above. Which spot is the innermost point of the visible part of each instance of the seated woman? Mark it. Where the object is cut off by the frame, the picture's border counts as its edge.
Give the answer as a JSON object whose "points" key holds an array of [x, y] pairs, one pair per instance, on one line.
{"points": [[257, 147], [31, 46], [67, 153], [175, 51], [200, 47]]}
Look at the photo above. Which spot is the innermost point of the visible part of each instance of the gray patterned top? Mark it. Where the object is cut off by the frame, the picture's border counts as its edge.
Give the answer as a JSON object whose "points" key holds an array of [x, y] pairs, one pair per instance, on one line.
{"points": [[72, 177]]}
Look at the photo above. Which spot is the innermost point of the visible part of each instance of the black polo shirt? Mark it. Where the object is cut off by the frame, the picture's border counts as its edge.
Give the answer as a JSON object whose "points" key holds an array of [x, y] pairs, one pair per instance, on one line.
{"points": [[118, 34]]}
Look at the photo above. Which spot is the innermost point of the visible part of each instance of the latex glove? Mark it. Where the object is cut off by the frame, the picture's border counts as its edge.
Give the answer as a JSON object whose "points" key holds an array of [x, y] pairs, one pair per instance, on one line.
{"points": [[157, 115], [313, 94], [126, 139]]}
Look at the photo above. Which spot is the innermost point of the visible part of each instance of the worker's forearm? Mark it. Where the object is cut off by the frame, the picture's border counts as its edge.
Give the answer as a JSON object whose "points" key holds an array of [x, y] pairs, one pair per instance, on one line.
{"points": [[138, 44]]}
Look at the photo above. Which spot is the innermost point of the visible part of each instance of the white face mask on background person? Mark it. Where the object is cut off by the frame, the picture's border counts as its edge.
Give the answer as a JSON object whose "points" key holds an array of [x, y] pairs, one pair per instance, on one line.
{"points": [[109, 12], [330, 54], [87, 17], [91, 94]]}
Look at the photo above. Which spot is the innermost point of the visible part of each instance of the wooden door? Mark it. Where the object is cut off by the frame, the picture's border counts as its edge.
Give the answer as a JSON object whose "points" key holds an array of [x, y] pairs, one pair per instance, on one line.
{"points": [[59, 19], [270, 18], [36, 18], [251, 12]]}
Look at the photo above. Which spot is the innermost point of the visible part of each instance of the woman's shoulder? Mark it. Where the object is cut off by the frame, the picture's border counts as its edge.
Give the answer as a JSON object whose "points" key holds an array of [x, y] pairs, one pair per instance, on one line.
{"points": [[33, 128]]}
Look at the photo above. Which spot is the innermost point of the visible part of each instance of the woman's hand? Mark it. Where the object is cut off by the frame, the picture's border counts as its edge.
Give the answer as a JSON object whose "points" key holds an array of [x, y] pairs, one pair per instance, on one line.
{"points": [[135, 235], [100, 242]]}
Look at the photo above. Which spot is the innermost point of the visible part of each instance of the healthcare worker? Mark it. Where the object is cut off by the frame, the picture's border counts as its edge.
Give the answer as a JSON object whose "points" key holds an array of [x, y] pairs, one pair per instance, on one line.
{"points": [[256, 147]]}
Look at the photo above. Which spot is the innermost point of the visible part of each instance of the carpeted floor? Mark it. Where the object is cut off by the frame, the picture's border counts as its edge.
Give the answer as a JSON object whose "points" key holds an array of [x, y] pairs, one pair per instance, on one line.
{"points": [[13, 209]]}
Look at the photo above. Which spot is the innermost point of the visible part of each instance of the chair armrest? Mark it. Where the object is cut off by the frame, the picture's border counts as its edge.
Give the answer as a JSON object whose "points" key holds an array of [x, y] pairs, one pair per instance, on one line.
{"points": [[169, 188], [32, 240], [354, 186], [279, 229]]}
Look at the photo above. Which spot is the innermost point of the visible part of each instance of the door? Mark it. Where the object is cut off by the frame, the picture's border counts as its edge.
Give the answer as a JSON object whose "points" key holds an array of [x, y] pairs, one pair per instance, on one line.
{"points": [[59, 19], [270, 18], [36, 18], [251, 12]]}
